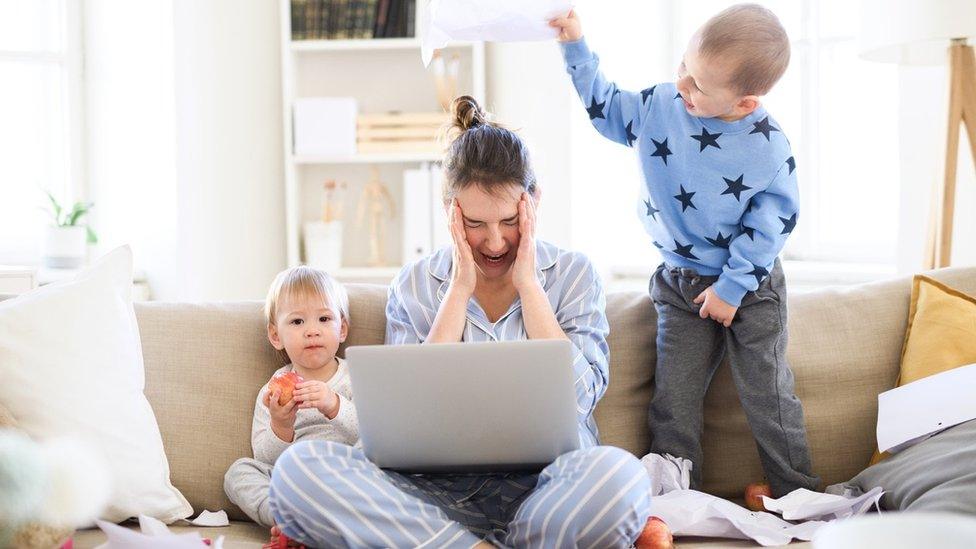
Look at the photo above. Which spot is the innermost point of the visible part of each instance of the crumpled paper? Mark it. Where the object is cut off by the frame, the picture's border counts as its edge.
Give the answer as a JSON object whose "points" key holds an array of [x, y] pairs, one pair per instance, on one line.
{"points": [[803, 504], [153, 534], [490, 21], [693, 513]]}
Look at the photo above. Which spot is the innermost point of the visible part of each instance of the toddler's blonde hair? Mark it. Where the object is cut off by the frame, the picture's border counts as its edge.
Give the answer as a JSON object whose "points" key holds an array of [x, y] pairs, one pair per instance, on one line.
{"points": [[304, 282], [751, 38]]}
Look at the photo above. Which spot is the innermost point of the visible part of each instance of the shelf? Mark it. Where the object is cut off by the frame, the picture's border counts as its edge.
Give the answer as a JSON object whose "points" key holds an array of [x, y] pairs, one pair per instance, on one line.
{"points": [[390, 158], [361, 44], [374, 275], [364, 44]]}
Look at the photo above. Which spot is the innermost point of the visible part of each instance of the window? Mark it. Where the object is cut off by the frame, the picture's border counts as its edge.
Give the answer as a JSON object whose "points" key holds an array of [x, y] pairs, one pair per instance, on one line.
{"points": [[838, 111], [40, 106]]}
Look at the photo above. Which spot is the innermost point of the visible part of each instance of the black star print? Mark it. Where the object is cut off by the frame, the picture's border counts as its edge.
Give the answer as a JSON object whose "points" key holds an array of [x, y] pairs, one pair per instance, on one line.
{"points": [[630, 135], [705, 139], [751, 206], [647, 93], [572, 67], [721, 240], [791, 163], [789, 223], [750, 232], [595, 109], [685, 199], [651, 210], [684, 251], [758, 272], [661, 149], [658, 246], [764, 127], [735, 187], [677, 96]]}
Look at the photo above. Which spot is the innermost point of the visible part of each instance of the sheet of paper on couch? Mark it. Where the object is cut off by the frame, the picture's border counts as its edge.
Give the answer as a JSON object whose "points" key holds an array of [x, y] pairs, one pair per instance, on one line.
{"points": [[153, 534], [692, 513], [911, 413], [494, 21]]}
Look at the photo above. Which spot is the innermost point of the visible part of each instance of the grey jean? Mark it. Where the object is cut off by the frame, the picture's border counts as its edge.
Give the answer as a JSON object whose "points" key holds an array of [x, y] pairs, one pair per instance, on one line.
{"points": [[689, 351]]}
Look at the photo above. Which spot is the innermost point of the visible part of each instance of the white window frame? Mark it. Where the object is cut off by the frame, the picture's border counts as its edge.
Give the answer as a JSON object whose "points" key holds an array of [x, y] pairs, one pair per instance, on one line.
{"points": [[72, 61]]}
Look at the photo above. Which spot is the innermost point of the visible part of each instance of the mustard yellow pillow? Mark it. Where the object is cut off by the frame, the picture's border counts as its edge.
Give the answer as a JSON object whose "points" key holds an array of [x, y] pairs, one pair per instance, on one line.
{"points": [[941, 333]]}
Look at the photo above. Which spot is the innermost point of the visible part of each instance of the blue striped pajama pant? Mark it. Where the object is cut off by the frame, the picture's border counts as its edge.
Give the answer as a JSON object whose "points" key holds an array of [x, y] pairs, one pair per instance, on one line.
{"points": [[327, 494]]}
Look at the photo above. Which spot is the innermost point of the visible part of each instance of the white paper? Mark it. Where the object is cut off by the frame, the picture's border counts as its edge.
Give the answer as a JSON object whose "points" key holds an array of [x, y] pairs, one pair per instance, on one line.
{"points": [[668, 473], [912, 412], [803, 504], [693, 513], [153, 534], [489, 20], [210, 519]]}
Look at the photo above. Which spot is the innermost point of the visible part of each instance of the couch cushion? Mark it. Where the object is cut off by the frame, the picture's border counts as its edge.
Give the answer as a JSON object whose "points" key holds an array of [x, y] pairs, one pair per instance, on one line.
{"points": [[204, 366]]}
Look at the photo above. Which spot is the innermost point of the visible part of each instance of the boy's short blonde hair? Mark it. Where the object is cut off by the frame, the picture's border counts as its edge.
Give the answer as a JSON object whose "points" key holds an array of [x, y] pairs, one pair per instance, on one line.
{"points": [[301, 282], [751, 38]]}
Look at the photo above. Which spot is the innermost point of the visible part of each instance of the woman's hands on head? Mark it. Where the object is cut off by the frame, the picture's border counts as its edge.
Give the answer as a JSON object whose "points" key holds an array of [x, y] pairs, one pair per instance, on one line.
{"points": [[524, 268], [464, 274]]}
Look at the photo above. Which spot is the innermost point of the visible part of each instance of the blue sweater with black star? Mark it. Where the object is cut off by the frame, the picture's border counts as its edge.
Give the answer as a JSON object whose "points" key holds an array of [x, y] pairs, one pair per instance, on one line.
{"points": [[718, 197]]}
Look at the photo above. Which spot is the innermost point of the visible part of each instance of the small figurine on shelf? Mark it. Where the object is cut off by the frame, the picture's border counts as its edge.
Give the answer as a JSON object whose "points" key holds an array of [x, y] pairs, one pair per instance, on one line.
{"points": [[376, 201], [445, 78], [323, 238], [333, 197]]}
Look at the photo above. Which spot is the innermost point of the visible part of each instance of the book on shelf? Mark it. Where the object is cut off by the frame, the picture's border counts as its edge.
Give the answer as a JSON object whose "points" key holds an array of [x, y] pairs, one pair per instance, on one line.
{"points": [[352, 19]]}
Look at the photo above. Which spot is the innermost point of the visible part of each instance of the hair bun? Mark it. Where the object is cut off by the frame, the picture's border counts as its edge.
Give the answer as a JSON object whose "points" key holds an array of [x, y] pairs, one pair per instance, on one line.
{"points": [[467, 114]]}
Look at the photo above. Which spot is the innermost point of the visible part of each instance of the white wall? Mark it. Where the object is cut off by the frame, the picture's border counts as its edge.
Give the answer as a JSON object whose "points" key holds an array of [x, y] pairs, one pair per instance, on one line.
{"points": [[923, 117], [185, 142], [529, 91]]}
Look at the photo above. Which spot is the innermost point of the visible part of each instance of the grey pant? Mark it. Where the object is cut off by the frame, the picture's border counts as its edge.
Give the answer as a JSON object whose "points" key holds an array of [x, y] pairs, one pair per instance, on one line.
{"points": [[689, 351], [247, 484]]}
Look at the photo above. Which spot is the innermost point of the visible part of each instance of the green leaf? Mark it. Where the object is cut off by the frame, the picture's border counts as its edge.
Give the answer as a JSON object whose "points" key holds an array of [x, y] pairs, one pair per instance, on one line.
{"points": [[92, 237], [79, 210], [57, 209]]}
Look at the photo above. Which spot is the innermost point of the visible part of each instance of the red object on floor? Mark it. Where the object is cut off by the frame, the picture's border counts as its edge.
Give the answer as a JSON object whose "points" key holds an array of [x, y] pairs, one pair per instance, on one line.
{"points": [[69, 544], [753, 495]]}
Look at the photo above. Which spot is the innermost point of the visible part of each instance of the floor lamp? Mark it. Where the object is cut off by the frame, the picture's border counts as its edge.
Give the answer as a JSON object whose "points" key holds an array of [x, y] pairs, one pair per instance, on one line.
{"points": [[919, 32]]}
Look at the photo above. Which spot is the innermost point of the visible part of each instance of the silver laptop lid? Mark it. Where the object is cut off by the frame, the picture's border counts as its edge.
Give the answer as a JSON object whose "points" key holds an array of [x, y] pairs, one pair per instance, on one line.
{"points": [[465, 407]]}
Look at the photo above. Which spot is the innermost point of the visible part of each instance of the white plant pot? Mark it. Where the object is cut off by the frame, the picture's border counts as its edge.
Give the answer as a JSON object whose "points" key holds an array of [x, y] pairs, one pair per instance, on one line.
{"points": [[323, 245], [65, 247]]}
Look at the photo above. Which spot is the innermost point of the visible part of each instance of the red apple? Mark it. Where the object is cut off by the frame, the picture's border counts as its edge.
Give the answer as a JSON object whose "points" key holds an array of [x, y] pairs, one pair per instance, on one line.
{"points": [[753, 495], [284, 382], [656, 535]]}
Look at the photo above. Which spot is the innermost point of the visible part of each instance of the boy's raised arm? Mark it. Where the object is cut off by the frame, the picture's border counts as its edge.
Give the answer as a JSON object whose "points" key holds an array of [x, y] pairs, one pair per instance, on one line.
{"points": [[617, 114]]}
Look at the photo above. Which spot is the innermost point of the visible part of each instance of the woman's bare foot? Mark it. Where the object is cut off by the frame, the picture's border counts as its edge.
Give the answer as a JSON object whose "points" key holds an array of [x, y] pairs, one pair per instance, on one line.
{"points": [[656, 535], [280, 541]]}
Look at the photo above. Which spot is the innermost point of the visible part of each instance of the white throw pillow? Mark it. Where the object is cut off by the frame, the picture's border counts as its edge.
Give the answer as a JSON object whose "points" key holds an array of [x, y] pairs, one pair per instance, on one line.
{"points": [[71, 364]]}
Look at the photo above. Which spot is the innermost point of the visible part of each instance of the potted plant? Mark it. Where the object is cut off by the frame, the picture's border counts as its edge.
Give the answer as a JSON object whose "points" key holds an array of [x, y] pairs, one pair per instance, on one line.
{"points": [[66, 241]]}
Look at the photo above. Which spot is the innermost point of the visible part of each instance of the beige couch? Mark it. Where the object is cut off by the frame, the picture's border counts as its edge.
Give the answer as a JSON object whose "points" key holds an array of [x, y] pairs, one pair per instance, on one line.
{"points": [[205, 363]]}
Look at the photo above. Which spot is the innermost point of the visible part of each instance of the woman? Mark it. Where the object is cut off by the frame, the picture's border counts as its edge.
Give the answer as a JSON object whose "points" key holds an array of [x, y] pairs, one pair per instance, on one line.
{"points": [[495, 283]]}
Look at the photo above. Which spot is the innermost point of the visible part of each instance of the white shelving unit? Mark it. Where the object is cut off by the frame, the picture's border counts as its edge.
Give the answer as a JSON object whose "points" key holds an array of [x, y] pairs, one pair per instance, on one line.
{"points": [[384, 75]]}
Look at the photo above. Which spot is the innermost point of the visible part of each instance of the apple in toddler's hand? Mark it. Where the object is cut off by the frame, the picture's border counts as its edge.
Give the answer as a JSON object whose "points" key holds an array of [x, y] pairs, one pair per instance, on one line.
{"points": [[754, 493], [285, 383], [656, 535]]}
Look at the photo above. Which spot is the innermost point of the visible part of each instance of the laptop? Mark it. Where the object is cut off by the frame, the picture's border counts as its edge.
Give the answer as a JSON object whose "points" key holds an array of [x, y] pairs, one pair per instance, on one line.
{"points": [[465, 407]]}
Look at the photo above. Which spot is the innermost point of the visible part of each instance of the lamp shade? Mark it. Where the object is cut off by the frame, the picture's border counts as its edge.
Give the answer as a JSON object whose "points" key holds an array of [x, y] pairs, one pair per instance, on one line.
{"points": [[914, 32]]}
